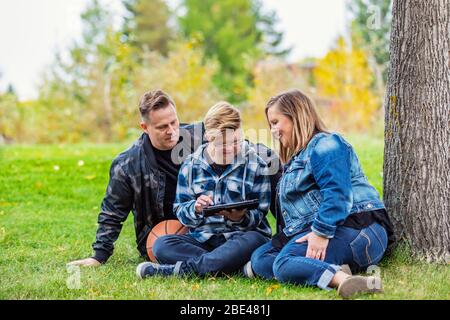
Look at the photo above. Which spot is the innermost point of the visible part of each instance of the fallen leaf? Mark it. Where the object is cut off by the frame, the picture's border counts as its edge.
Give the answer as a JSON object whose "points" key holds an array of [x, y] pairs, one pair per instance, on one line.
{"points": [[195, 287], [271, 288]]}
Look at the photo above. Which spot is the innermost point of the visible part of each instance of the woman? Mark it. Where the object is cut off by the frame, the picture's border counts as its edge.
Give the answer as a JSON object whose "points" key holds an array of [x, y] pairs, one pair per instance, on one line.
{"points": [[328, 214]]}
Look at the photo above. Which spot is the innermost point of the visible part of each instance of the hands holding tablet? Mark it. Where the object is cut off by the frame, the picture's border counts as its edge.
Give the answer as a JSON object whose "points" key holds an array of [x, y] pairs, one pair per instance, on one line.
{"points": [[202, 202], [233, 215], [232, 211]]}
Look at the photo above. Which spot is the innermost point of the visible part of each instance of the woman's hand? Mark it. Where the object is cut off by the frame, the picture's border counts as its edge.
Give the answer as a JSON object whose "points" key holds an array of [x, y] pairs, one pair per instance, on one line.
{"points": [[317, 245]]}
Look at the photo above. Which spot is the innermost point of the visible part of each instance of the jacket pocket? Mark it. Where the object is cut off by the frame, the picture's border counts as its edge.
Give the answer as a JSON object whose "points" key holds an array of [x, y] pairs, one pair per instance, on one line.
{"points": [[200, 187], [234, 191], [313, 200], [369, 246], [293, 174]]}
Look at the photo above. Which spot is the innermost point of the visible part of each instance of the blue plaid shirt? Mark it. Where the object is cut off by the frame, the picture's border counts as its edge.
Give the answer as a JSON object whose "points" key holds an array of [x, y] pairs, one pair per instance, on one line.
{"points": [[247, 178]]}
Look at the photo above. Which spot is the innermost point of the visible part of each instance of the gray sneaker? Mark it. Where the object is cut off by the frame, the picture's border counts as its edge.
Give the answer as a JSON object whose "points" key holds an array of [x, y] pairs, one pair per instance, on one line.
{"points": [[148, 269], [359, 284]]}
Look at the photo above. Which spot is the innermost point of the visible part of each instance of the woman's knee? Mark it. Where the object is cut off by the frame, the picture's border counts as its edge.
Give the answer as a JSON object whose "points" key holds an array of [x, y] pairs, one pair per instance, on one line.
{"points": [[291, 269], [262, 261]]}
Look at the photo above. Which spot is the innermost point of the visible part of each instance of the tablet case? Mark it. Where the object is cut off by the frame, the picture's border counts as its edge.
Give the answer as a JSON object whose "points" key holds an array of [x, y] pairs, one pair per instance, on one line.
{"points": [[247, 204]]}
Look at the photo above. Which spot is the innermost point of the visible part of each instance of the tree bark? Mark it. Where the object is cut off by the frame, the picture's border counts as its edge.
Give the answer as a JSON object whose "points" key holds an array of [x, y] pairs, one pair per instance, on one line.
{"points": [[417, 127]]}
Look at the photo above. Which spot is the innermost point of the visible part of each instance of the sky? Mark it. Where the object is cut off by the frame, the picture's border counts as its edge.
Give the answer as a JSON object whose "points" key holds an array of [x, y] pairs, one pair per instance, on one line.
{"points": [[32, 31]]}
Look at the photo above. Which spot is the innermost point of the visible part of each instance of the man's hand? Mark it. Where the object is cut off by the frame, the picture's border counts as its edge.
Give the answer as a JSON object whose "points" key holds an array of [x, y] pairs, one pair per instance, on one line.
{"points": [[317, 246], [202, 202], [233, 215], [89, 262]]}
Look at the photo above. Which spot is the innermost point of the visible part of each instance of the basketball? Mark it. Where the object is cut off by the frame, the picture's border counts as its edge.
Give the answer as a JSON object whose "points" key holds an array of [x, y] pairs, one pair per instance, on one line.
{"points": [[161, 229]]}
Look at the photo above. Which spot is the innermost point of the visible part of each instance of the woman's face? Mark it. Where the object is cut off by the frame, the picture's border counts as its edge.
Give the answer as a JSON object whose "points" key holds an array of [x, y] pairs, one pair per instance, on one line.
{"points": [[281, 126]]}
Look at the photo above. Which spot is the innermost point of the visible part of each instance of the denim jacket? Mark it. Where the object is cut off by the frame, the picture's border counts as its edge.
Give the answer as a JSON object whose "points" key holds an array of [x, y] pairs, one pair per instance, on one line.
{"points": [[245, 179], [322, 185]]}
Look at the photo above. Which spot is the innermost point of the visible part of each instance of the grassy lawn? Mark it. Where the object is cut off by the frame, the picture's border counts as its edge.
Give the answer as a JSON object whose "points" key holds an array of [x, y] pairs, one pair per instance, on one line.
{"points": [[49, 202]]}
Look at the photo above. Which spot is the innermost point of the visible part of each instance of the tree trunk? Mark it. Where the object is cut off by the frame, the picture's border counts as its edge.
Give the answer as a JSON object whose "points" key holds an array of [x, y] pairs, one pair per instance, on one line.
{"points": [[417, 130]]}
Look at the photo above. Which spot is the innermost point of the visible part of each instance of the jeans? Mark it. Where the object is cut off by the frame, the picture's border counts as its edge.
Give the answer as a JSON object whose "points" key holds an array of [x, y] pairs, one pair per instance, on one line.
{"points": [[357, 248], [217, 255]]}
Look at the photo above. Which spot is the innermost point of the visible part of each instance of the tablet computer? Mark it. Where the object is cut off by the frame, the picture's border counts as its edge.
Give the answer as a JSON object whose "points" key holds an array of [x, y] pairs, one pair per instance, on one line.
{"points": [[241, 205]]}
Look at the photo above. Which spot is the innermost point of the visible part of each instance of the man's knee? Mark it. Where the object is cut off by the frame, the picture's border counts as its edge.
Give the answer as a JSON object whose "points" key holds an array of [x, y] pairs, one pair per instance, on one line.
{"points": [[253, 239]]}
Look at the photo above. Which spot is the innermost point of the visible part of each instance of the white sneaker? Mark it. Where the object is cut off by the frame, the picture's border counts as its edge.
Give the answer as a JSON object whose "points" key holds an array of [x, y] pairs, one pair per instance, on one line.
{"points": [[247, 270]]}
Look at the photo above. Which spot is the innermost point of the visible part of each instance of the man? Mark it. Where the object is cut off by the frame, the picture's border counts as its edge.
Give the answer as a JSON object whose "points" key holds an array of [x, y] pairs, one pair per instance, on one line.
{"points": [[143, 178]]}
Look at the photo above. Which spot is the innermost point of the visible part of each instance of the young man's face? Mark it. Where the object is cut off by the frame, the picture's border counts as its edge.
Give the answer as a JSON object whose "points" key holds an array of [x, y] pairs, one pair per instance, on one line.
{"points": [[225, 147], [163, 128]]}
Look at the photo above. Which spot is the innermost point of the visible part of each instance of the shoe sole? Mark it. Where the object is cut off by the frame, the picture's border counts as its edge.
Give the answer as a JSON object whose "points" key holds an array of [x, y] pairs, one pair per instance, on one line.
{"points": [[140, 267], [248, 271], [358, 284]]}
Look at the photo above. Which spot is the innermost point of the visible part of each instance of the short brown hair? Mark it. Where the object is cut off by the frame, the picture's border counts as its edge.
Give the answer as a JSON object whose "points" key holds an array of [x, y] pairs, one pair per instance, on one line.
{"points": [[154, 100], [220, 117]]}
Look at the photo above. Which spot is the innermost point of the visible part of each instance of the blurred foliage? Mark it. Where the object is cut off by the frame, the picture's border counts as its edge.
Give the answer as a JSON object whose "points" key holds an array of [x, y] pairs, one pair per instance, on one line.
{"points": [[184, 76], [200, 53], [270, 77], [236, 33], [343, 77], [12, 116], [91, 88], [147, 25], [371, 27]]}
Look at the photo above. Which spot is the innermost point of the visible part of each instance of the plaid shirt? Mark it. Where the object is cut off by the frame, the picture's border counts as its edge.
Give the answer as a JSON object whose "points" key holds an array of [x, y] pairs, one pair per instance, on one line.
{"points": [[247, 178]]}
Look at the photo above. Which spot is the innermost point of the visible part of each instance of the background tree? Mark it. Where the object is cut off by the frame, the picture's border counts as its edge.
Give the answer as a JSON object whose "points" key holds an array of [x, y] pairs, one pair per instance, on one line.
{"points": [[12, 116], [92, 84], [147, 25], [184, 75], [417, 132], [235, 32], [343, 76], [370, 30]]}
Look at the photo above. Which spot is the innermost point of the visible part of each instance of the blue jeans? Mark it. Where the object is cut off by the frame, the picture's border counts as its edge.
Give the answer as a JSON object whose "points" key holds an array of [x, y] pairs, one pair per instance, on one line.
{"points": [[217, 255], [357, 248]]}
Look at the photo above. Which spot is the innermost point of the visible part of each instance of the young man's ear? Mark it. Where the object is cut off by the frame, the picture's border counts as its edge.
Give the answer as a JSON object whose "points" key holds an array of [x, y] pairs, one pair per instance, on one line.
{"points": [[144, 126], [208, 137]]}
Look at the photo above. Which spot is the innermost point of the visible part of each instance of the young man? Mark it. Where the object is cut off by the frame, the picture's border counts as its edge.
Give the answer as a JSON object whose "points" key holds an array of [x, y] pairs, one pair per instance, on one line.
{"points": [[226, 169]]}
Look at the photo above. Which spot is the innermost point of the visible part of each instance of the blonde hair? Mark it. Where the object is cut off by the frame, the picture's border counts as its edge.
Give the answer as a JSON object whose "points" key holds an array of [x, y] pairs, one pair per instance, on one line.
{"points": [[220, 118], [306, 121]]}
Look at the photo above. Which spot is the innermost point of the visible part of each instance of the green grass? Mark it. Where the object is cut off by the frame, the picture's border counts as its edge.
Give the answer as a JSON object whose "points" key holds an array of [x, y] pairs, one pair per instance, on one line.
{"points": [[48, 218]]}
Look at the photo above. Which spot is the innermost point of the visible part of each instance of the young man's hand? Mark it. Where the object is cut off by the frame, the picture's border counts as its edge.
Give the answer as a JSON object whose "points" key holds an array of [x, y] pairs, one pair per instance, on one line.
{"points": [[89, 262], [202, 202], [233, 215]]}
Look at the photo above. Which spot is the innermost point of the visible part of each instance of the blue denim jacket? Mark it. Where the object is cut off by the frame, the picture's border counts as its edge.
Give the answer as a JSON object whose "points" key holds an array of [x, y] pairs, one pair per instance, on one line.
{"points": [[322, 185]]}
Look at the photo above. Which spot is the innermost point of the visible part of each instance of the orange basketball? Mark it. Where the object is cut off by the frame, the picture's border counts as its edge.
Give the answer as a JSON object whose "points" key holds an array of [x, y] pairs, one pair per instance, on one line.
{"points": [[161, 229]]}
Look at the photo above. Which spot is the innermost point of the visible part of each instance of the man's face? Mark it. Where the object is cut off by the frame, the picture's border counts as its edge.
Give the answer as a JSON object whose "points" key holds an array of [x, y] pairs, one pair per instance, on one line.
{"points": [[163, 128]]}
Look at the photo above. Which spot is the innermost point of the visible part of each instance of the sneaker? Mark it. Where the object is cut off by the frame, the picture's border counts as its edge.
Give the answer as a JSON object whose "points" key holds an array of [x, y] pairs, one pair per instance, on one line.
{"points": [[247, 270], [359, 284], [148, 269]]}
